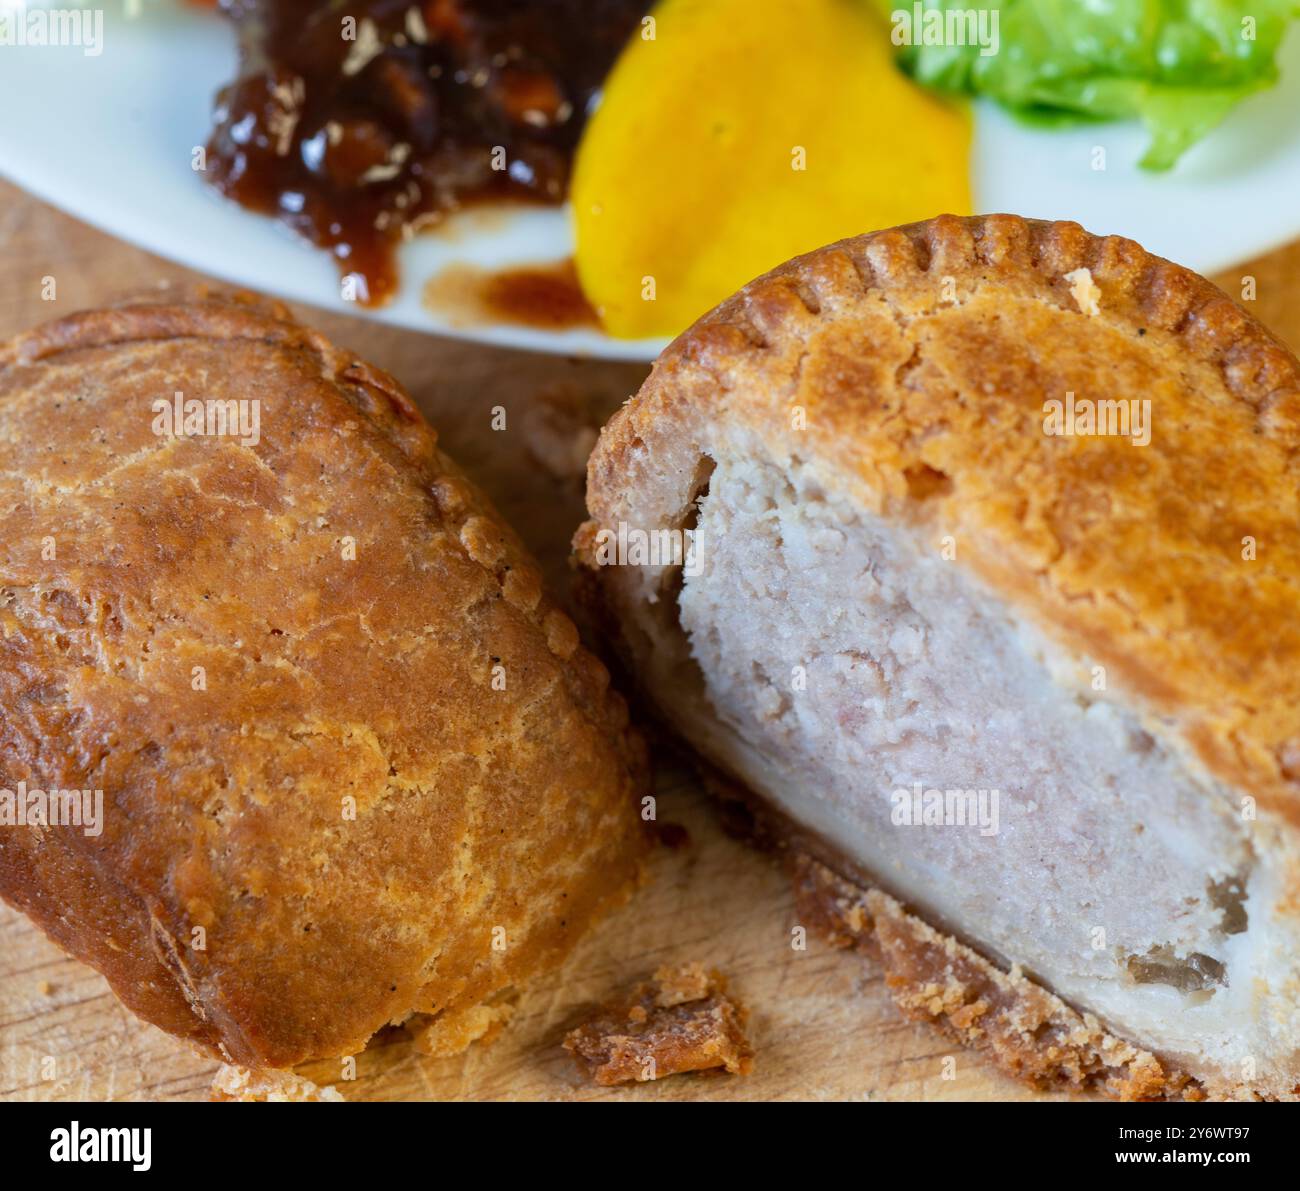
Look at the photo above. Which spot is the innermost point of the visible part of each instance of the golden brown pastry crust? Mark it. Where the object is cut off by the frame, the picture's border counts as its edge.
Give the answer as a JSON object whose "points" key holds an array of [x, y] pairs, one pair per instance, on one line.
{"points": [[1154, 586], [330, 685]]}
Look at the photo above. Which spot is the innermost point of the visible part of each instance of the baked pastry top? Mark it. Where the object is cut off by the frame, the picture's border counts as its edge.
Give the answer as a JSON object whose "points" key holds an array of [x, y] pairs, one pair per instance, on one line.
{"points": [[1176, 565], [355, 763]]}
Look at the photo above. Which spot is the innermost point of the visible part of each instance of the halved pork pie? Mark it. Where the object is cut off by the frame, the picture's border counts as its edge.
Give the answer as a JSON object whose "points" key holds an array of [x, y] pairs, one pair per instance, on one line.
{"points": [[972, 548]]}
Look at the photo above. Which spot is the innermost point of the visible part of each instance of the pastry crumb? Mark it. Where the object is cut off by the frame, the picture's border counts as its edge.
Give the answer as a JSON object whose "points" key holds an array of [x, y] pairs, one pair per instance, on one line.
{"points": [[681, 1020], [239, 1083], [449, 1034], [1085, 291]]}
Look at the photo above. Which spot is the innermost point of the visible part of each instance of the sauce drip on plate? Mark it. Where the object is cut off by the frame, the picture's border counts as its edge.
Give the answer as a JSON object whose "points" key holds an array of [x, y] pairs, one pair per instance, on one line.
{"points": [[359, 124], [547, 297]]}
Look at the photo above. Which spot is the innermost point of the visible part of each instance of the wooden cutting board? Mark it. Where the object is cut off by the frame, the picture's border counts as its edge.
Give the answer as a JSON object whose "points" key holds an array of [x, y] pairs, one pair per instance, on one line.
{"points": [[822, 1021]]}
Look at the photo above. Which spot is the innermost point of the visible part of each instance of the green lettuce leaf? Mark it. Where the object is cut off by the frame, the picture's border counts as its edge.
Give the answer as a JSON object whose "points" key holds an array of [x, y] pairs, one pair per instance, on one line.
{"points": [[1178, 65]]}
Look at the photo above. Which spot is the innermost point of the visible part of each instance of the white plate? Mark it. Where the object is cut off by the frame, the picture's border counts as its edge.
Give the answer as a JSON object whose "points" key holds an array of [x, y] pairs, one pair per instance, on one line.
{"points": [[109, 138]]}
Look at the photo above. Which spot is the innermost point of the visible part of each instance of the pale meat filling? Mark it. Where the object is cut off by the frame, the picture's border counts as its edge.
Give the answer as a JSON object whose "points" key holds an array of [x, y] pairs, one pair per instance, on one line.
{"points": [[852, 669]]}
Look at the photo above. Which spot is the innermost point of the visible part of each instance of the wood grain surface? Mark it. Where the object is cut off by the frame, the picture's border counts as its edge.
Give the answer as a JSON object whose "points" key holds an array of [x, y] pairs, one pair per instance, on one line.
{"points": [[822, 1022]]}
